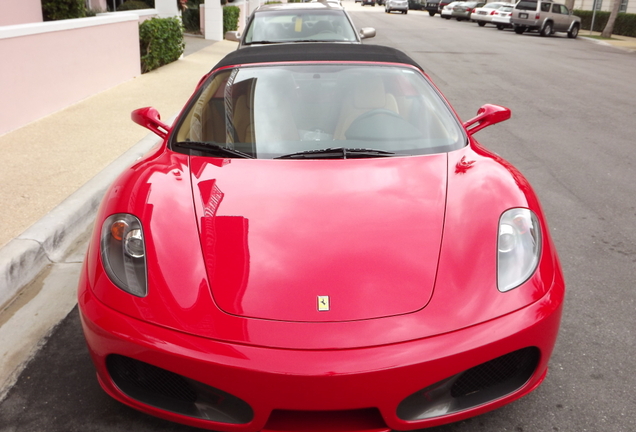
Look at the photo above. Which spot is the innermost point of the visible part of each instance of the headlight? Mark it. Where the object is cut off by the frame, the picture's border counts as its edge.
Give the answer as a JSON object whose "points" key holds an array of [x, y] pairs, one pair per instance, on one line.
{"points": [[518, 248], [124, 253]]}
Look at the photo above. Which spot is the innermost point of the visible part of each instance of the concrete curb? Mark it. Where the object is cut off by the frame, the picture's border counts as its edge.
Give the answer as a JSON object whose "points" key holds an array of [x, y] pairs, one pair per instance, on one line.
{"points": [[48, 240]]}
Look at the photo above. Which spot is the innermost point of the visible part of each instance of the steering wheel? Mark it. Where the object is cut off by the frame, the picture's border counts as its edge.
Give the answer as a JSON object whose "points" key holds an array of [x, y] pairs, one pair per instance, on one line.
{"points": [[378, 111], [381, 124]]}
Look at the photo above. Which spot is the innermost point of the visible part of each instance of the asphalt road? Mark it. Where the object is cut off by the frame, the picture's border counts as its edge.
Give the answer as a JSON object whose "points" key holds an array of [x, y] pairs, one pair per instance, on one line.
{"points": [[573, 134]]}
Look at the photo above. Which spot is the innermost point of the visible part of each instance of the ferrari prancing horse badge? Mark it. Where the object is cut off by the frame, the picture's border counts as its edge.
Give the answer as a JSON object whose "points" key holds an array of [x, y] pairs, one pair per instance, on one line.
{"points": [[323, 303]]}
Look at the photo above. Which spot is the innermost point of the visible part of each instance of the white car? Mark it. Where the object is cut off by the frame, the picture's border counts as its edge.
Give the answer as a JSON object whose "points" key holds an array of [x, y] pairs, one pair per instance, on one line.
{"points": [[299, 22], [485, 14], [396, 5], [501, 17], [447, 11]]}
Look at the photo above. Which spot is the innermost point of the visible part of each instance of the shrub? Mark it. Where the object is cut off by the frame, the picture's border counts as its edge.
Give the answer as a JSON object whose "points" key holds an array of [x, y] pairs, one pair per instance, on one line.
{"points": [[93, 12], [160, 42], [191, 16], [53, 10], [133, 5], [625, 24], [230, 18]]}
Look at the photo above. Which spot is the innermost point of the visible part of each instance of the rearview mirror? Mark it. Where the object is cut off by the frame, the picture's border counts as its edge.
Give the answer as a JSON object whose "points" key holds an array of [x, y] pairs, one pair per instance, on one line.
{"points": [[150, 119], [367, 32], [486, 116], [233, 36]]}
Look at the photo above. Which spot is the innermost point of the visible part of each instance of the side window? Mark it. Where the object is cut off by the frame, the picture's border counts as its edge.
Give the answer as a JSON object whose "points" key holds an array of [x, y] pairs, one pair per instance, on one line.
{"points": [[560, 9], [545, 7]]}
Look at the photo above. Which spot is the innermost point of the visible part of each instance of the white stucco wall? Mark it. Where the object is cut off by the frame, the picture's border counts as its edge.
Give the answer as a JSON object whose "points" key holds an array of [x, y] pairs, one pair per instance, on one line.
{"points": [[14, 12], [51, 65]]}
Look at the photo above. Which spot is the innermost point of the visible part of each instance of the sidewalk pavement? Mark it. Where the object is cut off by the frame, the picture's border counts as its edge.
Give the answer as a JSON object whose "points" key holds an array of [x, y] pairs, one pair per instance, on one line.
{"points": [[622, 42], [55, 170]]}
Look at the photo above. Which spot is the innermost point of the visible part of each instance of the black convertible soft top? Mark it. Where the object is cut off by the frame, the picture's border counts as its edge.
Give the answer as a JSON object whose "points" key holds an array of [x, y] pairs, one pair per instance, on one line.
{"points": [[302, 52]]}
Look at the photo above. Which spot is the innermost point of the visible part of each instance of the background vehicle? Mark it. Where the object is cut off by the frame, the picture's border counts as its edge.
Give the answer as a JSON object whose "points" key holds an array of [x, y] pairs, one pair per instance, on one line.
{"points": [[464, 10], [446, 10], [368, 2], [544, 16], [501, 17], [396, 5], [299, 22], [483, 15], [432, 6]]}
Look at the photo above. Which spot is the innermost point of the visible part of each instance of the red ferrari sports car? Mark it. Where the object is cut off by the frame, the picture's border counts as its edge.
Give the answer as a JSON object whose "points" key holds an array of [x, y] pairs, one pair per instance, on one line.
{"points": [[319, 243]]}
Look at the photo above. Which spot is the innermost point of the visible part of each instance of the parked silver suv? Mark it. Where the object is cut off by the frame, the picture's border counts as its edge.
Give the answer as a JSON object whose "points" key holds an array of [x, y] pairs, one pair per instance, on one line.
{"points": [[545, 16]]}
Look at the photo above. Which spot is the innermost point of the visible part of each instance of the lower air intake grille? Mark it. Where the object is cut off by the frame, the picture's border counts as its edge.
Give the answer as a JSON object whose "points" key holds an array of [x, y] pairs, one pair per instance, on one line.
{"points": [[172, 392], [149, 378], [500, 370], [475, 386]]}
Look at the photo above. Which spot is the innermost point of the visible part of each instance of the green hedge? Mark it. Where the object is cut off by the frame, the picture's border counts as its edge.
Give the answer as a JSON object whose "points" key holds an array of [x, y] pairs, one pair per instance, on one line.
{"points": [[625, 24], [53, 10], [230, 18], [133, 5], [191, 16], [160, 42]]}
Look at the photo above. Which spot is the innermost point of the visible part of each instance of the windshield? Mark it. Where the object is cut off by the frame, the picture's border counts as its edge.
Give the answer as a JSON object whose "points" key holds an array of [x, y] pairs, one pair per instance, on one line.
{"points": [[526, 5], [295, 25], [273, 111]]}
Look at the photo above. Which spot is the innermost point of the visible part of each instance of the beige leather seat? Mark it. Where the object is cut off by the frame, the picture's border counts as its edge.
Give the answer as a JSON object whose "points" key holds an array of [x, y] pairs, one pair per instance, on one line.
{"points": [[274, 105], [368, 94], [243, 120]]}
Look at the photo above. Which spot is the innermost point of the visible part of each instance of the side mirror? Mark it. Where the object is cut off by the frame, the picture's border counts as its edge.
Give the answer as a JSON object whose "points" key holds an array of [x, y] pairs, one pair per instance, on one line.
{"points": [[367, 32], [149, 118], [233, 36], [486, 116]]}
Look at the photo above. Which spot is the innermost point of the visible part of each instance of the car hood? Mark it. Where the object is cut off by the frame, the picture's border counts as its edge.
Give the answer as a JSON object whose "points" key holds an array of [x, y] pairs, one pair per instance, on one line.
{"points": [[359, 236]]}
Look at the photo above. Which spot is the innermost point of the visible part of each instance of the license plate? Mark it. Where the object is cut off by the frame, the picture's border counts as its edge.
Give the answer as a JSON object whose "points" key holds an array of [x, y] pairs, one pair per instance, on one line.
{"points": [[523, 15], [482, 13]]}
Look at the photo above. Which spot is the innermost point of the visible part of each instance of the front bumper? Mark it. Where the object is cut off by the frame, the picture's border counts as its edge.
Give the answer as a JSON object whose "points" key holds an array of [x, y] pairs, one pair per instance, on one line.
{"points": [[359, 389]]}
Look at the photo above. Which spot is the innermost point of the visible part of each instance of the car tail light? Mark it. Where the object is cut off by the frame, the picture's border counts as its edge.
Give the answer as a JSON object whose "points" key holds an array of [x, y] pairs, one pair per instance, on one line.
{"points": [[493, 13], [537, 16]]}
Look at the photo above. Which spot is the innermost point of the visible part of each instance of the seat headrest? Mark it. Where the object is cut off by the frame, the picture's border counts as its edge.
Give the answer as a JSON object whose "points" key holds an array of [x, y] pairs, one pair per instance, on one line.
{"points": [[368, 93]]}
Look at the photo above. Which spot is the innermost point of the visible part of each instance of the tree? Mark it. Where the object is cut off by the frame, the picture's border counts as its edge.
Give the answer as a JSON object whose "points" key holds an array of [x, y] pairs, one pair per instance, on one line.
{"points": [[609, 28]]}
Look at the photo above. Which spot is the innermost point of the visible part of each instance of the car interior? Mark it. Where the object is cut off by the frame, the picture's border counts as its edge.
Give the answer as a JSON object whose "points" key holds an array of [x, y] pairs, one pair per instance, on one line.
{"points": [[267, 112]]}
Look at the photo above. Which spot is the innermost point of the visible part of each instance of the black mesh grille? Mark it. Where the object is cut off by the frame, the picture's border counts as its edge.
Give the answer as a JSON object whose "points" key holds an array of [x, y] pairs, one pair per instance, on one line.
{"points": [[473, 387], [172, 392], [150, 378], [519, 363]]}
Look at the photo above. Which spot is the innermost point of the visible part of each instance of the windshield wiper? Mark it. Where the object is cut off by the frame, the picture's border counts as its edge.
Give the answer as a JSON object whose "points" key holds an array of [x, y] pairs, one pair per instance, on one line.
{"points": [[337, 153], [321, 40], [212, 148], [263, 42]]}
